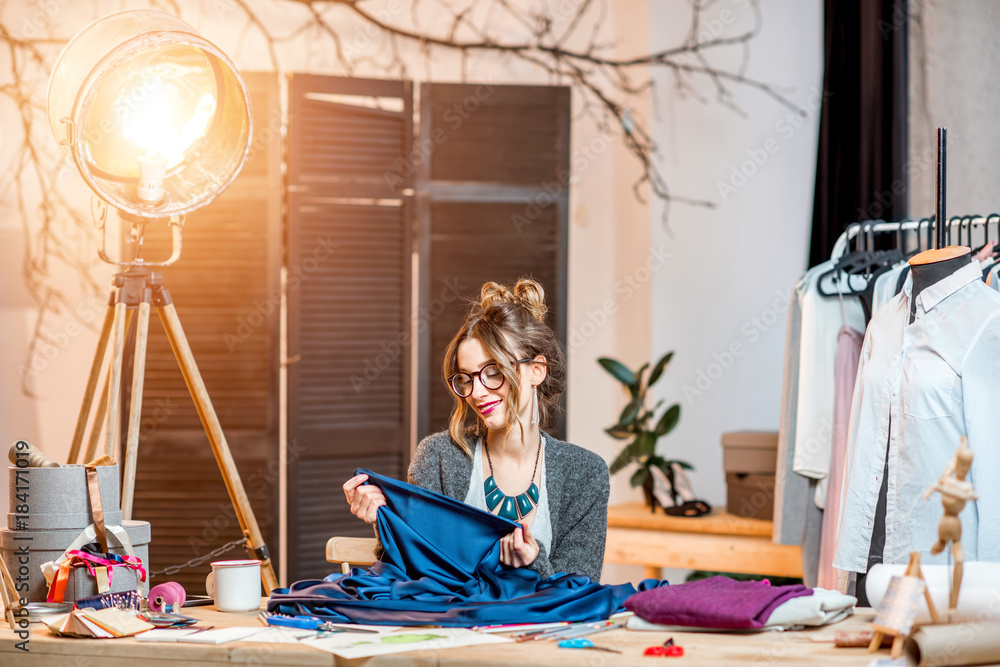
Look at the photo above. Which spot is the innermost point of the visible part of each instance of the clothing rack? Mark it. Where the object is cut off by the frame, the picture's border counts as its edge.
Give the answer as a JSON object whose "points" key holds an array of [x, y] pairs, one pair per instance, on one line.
{"points": [[959, 228]]}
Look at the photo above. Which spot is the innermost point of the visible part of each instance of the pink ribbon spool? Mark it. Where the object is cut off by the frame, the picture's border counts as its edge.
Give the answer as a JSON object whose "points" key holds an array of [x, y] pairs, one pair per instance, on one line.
{"points": [[167, 597]]}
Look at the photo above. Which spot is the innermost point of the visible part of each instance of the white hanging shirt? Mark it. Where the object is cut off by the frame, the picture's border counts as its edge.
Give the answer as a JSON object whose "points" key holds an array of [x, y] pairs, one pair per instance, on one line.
{"points": [[923, 386], [541, 525], [822, 318]]}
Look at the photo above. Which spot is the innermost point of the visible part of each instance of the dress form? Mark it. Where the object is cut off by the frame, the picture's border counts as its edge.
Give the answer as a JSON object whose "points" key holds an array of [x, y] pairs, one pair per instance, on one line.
{"points": [[926, 269], [931, 266]]}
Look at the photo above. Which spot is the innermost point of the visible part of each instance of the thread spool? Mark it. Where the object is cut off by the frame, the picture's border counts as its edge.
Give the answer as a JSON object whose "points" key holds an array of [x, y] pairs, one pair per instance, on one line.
{"points": [[169, 597], [22, 449]]}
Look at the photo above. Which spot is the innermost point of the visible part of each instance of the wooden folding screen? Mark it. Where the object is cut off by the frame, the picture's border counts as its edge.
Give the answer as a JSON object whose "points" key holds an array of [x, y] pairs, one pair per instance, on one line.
{"points": [[493, 196], [349, 259], [482, 196], [226, 290]]}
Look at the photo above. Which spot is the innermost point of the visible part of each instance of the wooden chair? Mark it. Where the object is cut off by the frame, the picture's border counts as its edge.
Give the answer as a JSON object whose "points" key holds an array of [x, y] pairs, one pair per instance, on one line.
{"points": [[351, 551]]}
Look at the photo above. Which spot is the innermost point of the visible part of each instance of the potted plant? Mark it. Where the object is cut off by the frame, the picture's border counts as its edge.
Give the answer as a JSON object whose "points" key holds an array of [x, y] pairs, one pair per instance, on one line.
{"points": [[634, 424]]}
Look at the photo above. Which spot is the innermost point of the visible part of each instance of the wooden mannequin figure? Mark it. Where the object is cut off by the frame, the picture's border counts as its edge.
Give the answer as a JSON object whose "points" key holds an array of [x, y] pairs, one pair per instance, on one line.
{"points": [[955, 492]]}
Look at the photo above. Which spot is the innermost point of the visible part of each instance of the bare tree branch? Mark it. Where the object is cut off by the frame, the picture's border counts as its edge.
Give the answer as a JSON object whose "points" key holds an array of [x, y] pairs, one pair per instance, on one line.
{"points": [[563, 46]]}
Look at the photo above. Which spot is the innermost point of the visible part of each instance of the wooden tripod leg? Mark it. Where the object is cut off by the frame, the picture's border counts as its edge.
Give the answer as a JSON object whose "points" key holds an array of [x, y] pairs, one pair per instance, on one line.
{"points": [[913, 569], [115, 378], [897, 647], [88, 393], [210, 421], [97, 428], [8, 594], [135, 409]]}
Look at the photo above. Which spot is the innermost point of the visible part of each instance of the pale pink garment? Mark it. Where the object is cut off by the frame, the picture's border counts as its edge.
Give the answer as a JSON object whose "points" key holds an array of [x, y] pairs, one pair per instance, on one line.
{"points": [[848, 357]]}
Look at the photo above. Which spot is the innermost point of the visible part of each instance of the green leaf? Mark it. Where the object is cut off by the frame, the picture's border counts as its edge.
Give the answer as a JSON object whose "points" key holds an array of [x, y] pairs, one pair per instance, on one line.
{"points": [[619, 371], [630, 412], [623, 459], [620, 432], [645, 444], [638, 374], [669, 420], [639, 477], [659, 367], [683, 464], [656, 460]]}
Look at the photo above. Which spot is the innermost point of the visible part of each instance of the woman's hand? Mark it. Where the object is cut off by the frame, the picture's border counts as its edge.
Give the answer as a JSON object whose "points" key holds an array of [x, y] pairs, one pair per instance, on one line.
{"points": [[364, 500], [519, 549]]}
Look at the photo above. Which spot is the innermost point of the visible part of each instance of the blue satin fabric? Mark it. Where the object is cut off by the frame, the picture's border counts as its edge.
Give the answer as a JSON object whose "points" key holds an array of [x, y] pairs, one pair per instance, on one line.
{"points": [[441, 566]]}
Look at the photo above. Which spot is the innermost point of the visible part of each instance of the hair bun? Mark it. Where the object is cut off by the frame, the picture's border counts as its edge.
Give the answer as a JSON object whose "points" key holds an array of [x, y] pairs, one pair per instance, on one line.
{"points": [[493, 294], [527, 294]]}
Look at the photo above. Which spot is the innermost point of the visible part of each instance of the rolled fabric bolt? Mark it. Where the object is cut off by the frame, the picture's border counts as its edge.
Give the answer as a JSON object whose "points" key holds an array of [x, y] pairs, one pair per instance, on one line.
{"points": [[36, 458], [167, 597]]}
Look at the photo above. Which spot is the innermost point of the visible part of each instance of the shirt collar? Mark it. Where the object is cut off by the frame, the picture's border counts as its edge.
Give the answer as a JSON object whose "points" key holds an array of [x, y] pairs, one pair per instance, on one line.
{"points": [[942, 289]]}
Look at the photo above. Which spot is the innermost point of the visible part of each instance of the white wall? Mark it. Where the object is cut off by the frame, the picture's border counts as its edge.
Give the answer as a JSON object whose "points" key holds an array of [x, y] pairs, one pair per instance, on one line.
{"points": [[731, 267], [954, 62], [726, 265]]}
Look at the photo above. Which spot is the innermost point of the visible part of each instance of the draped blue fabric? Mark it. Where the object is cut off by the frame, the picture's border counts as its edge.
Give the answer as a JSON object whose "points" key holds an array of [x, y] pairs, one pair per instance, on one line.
{"points": [[441, 566]]}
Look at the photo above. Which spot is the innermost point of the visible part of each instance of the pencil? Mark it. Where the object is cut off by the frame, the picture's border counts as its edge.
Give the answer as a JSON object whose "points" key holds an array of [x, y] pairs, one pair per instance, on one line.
{"points": [[590, 629], [527, 628]]}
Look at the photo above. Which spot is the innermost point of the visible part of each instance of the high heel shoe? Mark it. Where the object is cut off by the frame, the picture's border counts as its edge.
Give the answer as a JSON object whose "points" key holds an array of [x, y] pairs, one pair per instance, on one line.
{"points": [[661, 490], [678, 485]]}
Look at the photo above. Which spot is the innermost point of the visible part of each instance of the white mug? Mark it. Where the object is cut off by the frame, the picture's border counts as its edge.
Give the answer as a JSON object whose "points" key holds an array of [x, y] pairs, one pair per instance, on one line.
{"points": [[235, 585]]}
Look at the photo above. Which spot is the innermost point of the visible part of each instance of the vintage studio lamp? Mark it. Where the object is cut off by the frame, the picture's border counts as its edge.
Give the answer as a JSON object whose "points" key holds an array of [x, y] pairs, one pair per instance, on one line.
{"points": [[157, 121]]}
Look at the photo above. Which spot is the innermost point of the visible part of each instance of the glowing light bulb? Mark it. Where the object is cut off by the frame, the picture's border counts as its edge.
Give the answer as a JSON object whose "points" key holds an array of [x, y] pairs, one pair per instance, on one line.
{"points": [[160, 120], [152, 171]]}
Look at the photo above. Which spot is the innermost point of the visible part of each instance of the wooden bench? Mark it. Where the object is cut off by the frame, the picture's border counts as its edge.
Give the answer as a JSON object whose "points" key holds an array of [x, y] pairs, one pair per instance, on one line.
{"points": [[717, 542]]}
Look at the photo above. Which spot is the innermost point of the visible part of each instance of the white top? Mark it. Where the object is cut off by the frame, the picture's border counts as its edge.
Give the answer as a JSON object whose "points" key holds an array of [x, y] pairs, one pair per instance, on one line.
{"points": [[922, 386], [541, 525], [822, 318]]}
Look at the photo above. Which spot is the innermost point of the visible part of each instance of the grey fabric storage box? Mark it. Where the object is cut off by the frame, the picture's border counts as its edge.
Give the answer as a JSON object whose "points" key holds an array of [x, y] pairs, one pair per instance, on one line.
{"points": [[57, 498], [46, 545]]}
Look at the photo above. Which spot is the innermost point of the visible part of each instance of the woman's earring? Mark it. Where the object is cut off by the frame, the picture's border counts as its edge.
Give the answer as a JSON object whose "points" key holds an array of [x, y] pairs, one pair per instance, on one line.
{"points": [[534, 406]]}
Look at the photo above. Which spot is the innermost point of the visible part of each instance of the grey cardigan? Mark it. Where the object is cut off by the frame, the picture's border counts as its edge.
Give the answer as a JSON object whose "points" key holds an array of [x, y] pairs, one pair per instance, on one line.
{"points": [[577, 484]]}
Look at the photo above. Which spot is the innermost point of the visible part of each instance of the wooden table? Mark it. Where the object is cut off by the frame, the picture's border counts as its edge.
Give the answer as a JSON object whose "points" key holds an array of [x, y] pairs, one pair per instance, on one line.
{"points": [[717, 542], [812, 647]]}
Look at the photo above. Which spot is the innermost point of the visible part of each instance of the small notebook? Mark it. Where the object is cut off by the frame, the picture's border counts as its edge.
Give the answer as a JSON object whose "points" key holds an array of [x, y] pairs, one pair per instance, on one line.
{"points": [[220, 636]]}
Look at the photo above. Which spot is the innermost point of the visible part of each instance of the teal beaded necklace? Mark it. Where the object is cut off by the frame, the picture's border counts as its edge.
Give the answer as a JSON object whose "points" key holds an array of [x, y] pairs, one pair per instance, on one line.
{"points": [[511, 507]]}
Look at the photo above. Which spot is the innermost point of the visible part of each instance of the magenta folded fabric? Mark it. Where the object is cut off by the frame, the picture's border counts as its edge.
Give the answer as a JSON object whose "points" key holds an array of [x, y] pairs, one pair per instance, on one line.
{"points": [[716, 602]]}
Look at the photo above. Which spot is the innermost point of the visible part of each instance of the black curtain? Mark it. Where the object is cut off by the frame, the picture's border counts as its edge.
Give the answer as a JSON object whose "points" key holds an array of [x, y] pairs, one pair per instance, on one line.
{"points": [[860, 171]]}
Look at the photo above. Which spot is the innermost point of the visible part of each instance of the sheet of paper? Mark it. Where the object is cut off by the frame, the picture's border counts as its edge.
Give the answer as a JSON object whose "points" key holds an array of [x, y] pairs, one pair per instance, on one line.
{"points": [[381, 629], [409, 639], [279, 635], [165, 634], [221, 636]]}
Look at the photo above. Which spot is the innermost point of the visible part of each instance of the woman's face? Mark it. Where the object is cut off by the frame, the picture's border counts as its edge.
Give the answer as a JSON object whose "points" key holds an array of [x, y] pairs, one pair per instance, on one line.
{"points": [[491, 404]]}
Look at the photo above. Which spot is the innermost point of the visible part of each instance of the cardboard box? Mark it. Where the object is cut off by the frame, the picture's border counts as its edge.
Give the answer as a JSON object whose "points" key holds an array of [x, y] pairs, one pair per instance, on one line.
{"points": [[750, 496], [750, 452]]}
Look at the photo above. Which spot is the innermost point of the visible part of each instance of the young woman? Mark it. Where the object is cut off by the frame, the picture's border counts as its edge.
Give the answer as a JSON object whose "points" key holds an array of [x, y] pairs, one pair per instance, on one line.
{"points": [[506, 371]]}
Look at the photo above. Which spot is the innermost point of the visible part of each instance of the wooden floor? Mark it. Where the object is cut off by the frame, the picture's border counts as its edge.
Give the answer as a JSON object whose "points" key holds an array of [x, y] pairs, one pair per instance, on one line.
{"points": [[718, 542], [814, 647]]}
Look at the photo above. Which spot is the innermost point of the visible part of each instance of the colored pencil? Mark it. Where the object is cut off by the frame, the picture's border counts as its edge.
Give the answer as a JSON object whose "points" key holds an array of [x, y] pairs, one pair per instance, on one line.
{"points": [[570, 633], [525, 628]]}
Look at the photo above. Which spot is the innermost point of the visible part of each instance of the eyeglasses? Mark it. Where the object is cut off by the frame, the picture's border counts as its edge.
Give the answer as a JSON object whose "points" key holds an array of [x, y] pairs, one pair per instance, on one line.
{"points": [[490, 376]]}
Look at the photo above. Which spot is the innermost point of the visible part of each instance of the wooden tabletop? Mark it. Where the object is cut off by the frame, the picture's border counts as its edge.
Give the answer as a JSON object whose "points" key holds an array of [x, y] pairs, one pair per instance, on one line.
{"points": [[814, 647], [637, 515]]}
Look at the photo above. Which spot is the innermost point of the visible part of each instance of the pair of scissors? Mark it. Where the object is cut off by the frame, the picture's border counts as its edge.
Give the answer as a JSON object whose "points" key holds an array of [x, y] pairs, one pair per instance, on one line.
{"points": [[583, 642], [305, 623]]}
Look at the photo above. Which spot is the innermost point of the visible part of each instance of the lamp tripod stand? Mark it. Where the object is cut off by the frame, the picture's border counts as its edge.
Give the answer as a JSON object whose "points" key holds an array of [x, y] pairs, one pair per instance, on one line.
{"points": [[135, 291]]}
